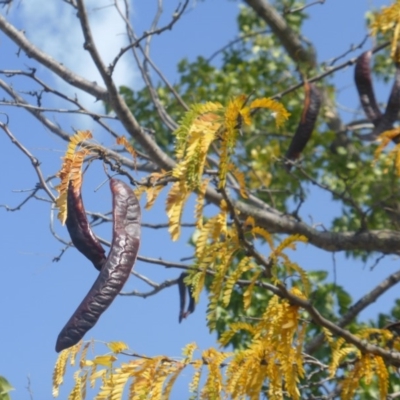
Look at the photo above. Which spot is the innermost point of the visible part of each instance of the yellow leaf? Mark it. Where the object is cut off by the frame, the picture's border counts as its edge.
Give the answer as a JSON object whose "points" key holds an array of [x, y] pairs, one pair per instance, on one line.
{"points": [[288, 325], [245, 114], [289, 242], [176, 200], [263, 233], [124, 141], [76, 393], [194, 384], [188, 351], [87, 363], [303, 275], [281, 114], [152, 194], [105, 360], [71, 171], [139, 190], [96, 375], [384, 138], [389, 20], [74, 350], [243, 266], [247, 295], [240, 177], [82, 358], [383, 376], [232, 113], [166, 395], [249, 223], [198, 210], [199, 114], [117, 347], [59, 370]]}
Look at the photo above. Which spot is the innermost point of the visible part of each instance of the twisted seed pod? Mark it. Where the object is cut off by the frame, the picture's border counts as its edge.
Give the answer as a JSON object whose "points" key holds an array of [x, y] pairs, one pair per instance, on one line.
{"points": [[115, 271], [306, 125], [392, 108], [182, 298], [362, 77], [192, 303], [79, 229]]}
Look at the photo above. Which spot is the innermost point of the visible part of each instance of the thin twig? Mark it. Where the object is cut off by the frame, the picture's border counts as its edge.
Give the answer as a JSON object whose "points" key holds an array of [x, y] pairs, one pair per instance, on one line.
{"points": [[34, 161], [156, 289], [175, 17], [330, 71], [357, 307], [302, 8], [116, 101], [237, 40], [19, 206], [389, 355]]}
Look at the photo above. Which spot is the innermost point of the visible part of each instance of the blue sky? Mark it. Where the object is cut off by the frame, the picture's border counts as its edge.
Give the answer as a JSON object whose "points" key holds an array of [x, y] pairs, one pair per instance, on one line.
{"points": [[38, 295]]}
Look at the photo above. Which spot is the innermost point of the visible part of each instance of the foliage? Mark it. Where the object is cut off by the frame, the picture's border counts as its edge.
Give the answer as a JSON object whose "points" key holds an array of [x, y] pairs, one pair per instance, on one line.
{"points": [[274, 347], [388, 20], [5, 389], [268, 357], [284, 331]]}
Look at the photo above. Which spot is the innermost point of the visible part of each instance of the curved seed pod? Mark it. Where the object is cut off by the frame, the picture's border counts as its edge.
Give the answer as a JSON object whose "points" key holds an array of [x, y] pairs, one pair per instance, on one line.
{"points": [[116, 269], [362, 77], [192, 303], [394, 327], [392, 109], [182, 298], [306, 125], [79, 229]]}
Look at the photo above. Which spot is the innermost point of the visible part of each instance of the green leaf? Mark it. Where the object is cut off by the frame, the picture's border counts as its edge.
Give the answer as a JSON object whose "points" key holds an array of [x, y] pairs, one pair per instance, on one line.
{"points": [[5, 388]]}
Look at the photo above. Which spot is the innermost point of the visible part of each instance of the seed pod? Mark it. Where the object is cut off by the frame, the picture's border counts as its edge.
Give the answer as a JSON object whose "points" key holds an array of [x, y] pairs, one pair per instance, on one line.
{"points": [[79, 229], [362, 77], [182, 298], [394, 327], [115, 271], [392, 108], [192, 302], [306, 125]]}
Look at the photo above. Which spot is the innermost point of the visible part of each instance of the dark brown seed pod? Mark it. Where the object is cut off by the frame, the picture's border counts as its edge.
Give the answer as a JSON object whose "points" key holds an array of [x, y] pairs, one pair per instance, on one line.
{"points": [[79, 229], [306, 125], [394, 327], [392, 108], [362, 77], [116, 269], [192, 302], [182, 298]]}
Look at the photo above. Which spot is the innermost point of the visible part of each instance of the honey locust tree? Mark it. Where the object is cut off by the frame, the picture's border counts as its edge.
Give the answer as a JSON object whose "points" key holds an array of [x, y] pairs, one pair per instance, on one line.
{"points": [[253, 133]]}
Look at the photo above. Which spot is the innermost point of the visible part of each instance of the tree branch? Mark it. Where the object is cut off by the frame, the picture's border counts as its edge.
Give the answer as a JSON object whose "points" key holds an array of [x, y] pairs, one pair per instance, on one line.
{"points": [[67, 75], [153, 31], [357, 307], [289, 39], [393, 357], [34, 161], [156, 289], [118, 104]]}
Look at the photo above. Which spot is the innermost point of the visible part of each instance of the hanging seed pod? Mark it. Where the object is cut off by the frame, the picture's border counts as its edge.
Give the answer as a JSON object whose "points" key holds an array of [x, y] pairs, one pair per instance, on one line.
{"points": [[392, 108], [79, 229], [182, 298], [363, 80], [115, 271], [306, 125]]}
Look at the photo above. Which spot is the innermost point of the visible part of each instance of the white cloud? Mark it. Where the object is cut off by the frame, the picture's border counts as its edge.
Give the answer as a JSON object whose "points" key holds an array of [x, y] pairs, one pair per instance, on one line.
{"points": [[52, 25]]}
